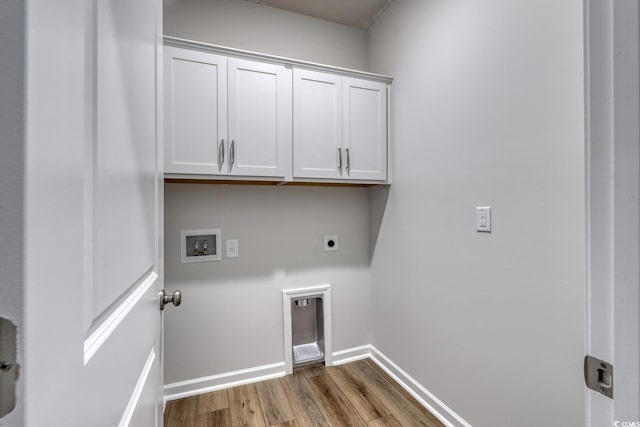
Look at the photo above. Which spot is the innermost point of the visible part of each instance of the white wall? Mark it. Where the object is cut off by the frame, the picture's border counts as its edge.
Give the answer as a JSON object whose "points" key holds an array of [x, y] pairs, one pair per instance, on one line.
{"points": [[231, 317], [249, 26], [487, 109]]}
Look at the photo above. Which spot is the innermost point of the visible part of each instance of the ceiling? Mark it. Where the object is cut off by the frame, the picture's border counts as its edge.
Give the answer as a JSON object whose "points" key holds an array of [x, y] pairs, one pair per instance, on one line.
{"points": [[356, 13]]}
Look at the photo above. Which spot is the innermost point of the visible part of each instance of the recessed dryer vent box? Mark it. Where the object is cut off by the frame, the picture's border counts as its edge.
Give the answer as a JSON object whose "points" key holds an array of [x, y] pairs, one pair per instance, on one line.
{"points": [[200, 245]]}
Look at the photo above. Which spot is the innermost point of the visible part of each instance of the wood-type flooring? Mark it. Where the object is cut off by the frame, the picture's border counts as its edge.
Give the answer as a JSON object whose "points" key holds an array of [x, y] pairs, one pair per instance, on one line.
{"points": [[354, 394]]}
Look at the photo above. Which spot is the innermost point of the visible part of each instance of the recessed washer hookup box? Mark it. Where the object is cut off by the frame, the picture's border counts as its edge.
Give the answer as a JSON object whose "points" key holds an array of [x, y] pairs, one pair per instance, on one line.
{"points": [[200, 245]]}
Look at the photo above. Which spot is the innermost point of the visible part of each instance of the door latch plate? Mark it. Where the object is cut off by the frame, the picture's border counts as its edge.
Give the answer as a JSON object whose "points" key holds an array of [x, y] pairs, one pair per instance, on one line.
{"points": [[598, 375]]}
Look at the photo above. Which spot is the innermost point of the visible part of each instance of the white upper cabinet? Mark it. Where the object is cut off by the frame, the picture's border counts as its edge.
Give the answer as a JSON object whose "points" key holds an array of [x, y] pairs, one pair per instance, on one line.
{"points": [[339, 127], [365, 129], [317, 124], [195, 112], [237, 115], [259, 118], [225, 116]]}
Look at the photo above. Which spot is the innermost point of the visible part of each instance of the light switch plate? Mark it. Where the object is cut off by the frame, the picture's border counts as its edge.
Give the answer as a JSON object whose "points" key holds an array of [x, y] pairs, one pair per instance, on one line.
{"points": [[232, 248], [483, 219]]}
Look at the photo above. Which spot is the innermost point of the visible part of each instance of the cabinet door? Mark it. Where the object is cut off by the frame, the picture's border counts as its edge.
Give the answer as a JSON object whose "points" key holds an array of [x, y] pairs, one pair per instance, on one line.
{"points": [[259, 118], [195, 112], [365, 128], [317, 125]]}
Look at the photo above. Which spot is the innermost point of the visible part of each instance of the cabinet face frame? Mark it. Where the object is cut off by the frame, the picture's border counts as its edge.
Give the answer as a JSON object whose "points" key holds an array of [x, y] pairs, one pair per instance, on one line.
{"points": [[195, 106]]}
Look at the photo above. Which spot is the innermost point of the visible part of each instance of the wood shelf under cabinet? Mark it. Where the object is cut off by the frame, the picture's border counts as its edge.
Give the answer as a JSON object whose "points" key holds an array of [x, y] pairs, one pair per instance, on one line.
{"points": [[268, 183]]}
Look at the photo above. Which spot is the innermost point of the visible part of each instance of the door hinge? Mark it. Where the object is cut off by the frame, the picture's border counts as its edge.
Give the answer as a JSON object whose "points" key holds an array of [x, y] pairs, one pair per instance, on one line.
{"points": [[8, 366], [598, 375]]}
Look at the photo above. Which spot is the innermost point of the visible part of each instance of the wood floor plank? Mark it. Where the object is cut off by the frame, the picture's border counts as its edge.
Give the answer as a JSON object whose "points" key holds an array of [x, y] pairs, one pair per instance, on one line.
{"points": [[304, 405], [355, 394], [273, 400], [336, 407], [210, 402], [245, 406], [292, 423], [310, 371], [363, 400], [181, 412], [402, 408], [402, 391], [388, 421], [219, 418]]}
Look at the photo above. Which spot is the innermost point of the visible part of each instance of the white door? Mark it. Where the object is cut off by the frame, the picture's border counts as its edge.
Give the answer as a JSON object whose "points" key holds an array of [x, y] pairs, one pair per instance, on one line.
{"points": [[317, 125], [259, 118], [613, 213], [195, 112], [365, 129], [93, 217]]}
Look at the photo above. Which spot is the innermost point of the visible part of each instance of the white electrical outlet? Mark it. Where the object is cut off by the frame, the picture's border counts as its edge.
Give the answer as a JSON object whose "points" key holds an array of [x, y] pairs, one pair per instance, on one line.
{"points": [[483, 219], [231, 247], [330, 243]]}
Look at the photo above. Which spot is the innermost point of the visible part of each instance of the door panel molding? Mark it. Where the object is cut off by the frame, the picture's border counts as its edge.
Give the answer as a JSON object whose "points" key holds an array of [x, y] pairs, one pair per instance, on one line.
{"points": [[104, 329], [137, 391]]}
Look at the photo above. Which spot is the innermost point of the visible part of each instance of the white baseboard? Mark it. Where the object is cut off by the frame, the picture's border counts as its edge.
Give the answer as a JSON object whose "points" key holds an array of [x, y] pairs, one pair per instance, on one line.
{"points": [[275, 370], [421, 394], [211, 383], [221, 381], [351, 355]]}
